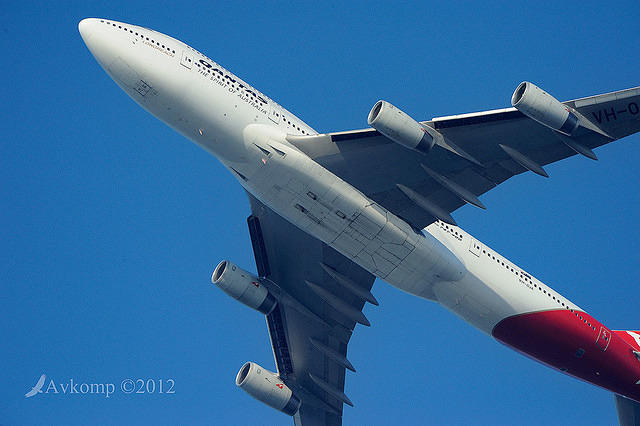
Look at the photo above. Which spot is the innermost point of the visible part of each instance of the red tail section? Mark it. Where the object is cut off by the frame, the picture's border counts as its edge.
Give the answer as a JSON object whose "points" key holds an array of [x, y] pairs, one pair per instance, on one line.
{"points": [[631, 337], [576, 343]]}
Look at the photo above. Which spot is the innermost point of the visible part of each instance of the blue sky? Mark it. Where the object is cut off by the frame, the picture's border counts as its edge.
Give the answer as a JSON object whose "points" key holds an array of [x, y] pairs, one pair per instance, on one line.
{"points": [[112, 223]]}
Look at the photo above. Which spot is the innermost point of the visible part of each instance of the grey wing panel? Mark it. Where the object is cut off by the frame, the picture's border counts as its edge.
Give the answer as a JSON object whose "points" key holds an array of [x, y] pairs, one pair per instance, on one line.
{"points": [[617, 113], [628, 411], [314, 319], [375, 165]]}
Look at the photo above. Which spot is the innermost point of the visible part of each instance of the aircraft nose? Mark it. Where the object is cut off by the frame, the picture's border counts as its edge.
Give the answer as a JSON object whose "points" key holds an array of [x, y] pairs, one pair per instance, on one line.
{"points": [[97, 41], [111, 48], [86, 27]]}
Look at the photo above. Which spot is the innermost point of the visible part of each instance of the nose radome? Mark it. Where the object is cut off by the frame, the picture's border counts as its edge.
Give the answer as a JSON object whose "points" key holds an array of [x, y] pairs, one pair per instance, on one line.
{"points": [[104, 43], [85, 27]]}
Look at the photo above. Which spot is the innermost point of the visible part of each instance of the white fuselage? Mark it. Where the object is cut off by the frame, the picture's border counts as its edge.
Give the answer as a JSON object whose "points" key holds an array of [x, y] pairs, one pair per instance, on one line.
{"points": [[247, 132]]}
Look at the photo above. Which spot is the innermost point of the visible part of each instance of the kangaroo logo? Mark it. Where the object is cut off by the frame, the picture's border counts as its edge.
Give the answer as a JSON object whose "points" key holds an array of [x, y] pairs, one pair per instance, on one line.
{"points": [[37, 388], [635, 336]]}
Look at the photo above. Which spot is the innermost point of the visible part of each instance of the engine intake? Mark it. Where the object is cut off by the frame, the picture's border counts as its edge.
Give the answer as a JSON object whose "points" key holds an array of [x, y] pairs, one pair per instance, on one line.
{"points": [[266, 387], [399, 127], [243, 286], [540, 106]]}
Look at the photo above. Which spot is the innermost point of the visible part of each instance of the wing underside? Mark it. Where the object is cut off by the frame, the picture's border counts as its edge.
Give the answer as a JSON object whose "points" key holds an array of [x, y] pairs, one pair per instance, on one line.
{"points": [[321, 295], [377, 166]]}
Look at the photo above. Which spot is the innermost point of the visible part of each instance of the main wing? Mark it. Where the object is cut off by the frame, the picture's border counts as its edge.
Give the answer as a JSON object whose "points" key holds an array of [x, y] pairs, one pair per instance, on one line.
{"points": [[321, 296], [479, 151]]}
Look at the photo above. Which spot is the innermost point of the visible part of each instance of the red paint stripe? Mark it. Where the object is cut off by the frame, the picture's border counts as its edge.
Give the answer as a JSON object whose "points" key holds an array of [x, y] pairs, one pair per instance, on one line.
{"points": [[577, 344]]}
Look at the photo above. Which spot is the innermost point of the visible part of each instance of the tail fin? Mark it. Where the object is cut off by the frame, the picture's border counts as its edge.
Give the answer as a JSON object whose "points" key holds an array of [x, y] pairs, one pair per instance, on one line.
{"points": [[631, 337]]}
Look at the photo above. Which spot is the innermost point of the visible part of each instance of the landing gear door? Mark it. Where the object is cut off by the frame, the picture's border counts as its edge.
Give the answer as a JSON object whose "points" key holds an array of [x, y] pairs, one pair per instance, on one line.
{"points": [[187, 59], [474, 247], [274, 114]]}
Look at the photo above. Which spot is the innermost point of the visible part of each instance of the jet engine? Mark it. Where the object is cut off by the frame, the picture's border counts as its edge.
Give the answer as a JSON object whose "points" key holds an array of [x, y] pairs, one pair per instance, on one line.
{"points": [[540, 106], [399, 127], [243, 286], [267, 387]]}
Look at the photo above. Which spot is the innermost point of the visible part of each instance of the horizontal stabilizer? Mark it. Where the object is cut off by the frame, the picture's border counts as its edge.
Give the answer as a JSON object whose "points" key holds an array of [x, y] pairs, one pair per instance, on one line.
{"points": [[628, 411]]}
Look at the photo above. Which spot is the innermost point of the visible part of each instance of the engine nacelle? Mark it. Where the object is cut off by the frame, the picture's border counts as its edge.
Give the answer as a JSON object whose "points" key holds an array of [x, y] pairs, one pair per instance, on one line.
{"points": [[399, 127], [243, 286], [267, 387], [540, 106]]}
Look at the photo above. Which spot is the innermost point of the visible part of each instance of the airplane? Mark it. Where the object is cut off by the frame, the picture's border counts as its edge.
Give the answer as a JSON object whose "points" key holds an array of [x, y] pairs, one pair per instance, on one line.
{"points": [[330, 212]]}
